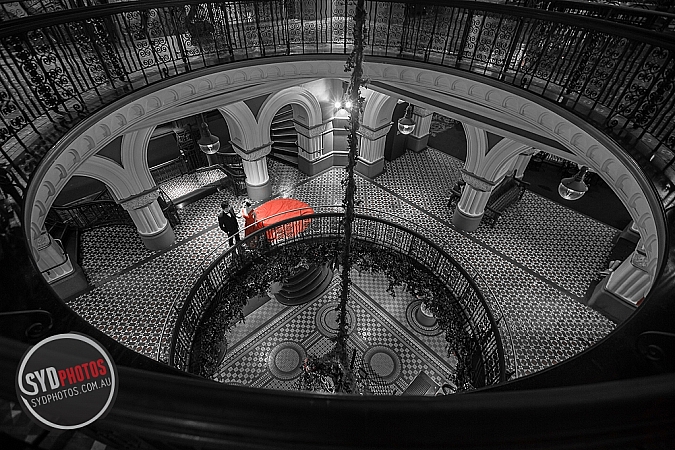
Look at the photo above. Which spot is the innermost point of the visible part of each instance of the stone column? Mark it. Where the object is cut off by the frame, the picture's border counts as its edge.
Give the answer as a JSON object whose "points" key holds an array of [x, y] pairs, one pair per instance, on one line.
{"points": [[521, 163], [417, 140], [52, 260], [311, 147], [153, 228], [371, 150], [64, 276], [620, 292], [254, 162], [471, 206]]}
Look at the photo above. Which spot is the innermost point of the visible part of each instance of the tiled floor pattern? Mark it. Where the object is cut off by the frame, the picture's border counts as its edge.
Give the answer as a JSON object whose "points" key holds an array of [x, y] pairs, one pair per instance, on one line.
{"points": [[269, 350], [536, 268], [190, 182]]}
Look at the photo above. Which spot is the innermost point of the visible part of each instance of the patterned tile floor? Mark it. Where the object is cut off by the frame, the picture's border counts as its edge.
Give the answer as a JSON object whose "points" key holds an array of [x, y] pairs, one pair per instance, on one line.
{"points": [[267, 349], [538, 262]]}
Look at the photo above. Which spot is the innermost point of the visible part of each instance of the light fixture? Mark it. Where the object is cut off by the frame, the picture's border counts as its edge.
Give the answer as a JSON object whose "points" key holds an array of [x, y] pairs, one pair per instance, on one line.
{"points": [[573, 188], [405, 124], [340, 105], [208, 143]]}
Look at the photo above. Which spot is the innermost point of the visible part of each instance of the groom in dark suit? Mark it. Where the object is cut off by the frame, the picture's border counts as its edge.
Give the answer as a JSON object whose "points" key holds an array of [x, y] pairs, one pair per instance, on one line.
{"points": [[227, 221]]}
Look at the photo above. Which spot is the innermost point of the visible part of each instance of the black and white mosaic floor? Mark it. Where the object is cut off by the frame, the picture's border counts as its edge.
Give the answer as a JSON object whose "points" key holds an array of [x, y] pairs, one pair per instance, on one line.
{"points": [[537, 262], [380, 331]]}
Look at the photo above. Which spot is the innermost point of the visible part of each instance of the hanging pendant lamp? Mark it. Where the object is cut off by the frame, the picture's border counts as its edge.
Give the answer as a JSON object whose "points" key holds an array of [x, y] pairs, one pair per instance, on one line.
{"points": [[405, 124], [208, 143], [573, 188]]}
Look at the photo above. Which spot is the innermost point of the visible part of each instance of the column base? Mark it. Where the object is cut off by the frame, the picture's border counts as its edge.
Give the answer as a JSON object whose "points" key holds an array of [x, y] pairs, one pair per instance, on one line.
{"points": [[159, 241], [325, 162], [465, 222], [610, 305], [70, 285], [259, 192], [370, 170], [417, 144]]}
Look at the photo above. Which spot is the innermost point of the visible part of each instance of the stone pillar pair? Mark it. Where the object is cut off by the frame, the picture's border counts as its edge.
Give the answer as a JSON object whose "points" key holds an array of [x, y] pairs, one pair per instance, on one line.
{"points": [[312, 152]]}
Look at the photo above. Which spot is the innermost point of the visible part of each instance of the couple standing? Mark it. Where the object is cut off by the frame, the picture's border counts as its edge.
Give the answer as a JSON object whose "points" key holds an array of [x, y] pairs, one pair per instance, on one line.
{"points": [[227, 220]]}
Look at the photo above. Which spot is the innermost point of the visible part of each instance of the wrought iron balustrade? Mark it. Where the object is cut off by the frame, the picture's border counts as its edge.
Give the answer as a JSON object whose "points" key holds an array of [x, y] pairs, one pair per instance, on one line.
{"points": [[88, 215], [58, 68], [213, 282], [169, 170], [644, 15]]}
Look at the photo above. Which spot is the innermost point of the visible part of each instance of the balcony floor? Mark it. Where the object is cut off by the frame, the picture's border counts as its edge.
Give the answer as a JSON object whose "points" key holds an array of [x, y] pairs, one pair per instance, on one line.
{"points": [[539, 260]]}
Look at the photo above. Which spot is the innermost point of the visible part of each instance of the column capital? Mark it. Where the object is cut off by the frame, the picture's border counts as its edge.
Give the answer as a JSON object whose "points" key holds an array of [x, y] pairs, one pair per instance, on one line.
{"points": [[476, 182], [374, 135], [314, 131], [422, 112], [42, 241], [140, 200], [639, 258], [253, 154]]}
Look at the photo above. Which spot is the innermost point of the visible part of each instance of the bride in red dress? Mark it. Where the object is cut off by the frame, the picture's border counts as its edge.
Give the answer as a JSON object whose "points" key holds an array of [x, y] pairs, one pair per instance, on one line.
{"points": [[248, 213]]}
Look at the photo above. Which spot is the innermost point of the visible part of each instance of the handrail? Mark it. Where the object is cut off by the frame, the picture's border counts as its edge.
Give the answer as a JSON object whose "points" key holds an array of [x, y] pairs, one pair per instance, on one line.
{"points": [[492, 299], [595, 71], [177, 412], [23, 24], [489, 339]]}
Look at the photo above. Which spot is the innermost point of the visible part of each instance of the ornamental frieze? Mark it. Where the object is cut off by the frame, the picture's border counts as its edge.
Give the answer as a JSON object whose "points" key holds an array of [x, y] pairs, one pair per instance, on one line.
{"points": [[253, 154], [315, 131], [140, 200], [374, 135]]}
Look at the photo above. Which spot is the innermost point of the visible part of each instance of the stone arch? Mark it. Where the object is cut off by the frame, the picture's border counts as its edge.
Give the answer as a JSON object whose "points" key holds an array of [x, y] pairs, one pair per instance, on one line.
{"points": [[476, 147], [500, 159], [378, 111], [421, 83], [118, 180], [135, 156], [242, 125], [295, 96]]}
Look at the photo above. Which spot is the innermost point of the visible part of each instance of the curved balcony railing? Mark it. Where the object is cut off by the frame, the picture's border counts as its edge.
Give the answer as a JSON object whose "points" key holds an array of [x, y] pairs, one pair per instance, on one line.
{"points": [[492, 301], [480, 322], [59, 68]]}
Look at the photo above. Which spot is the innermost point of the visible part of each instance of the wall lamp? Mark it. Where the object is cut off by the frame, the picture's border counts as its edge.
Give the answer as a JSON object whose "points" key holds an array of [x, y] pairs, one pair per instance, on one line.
{"points": [[343, 105]]}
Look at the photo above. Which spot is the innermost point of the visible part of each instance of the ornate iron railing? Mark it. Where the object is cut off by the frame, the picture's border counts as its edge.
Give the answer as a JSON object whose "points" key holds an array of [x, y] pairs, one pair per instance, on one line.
{"points": [[169, 170], [637, 14], [492, 300], [88, 215], [58, 68], [212, 283]]}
